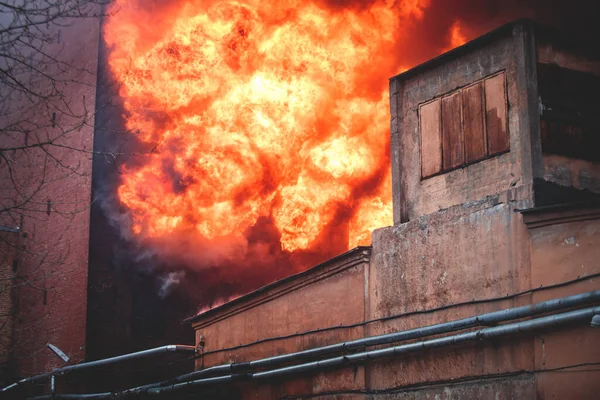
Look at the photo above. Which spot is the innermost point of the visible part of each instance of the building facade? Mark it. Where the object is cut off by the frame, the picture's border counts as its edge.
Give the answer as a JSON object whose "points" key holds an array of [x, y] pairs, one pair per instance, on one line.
{"points": [[496, 179], [45, 192]]}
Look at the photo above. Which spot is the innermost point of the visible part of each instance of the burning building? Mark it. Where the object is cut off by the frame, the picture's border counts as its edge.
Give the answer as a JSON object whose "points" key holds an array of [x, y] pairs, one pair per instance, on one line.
{"points": [[222, 165], [495, 206]]}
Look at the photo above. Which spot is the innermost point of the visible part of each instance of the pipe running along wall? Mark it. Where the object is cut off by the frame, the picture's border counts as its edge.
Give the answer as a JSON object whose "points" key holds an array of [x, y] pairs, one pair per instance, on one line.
{"points": [[237, 370], [102, 362], [437, 329], [550, 321]]}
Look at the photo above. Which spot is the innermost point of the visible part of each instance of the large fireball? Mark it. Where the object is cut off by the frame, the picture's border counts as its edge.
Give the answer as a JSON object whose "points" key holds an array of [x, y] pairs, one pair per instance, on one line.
{"points": [[257, 109]]}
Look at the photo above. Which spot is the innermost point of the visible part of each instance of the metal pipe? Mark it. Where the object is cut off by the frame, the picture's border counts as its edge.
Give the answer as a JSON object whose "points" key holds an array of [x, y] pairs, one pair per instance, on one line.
{"points": [[491, 318], [105, 361], [446, 327], [481, 334]]}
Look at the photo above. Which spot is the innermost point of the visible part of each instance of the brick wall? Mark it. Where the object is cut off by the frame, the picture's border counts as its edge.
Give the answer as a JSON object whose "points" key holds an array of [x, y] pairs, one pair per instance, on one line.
{"points": [[8, 253], [51, 199]]}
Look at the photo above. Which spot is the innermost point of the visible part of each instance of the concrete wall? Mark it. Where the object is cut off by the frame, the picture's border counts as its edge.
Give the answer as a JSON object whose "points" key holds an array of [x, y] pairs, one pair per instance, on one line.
{"points": [[483, 251], [489, 252], [477, 246], [466, 241], [564, 247], [329, 295], [462, 254], [504, 50], [519, 387]]}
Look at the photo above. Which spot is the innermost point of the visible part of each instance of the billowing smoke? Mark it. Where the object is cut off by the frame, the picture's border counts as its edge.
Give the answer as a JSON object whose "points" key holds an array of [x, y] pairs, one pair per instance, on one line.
{"points": [[170, 282]]}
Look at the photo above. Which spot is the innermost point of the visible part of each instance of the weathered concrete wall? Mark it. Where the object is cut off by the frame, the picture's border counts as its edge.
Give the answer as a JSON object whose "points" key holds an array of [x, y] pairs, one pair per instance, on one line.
{"points": [[488, 252], [518, 387], [465, 242], [448, 257], [570, 172], [329, 295], [435, 265], [564, 247], [471, 252], [507, 50]]}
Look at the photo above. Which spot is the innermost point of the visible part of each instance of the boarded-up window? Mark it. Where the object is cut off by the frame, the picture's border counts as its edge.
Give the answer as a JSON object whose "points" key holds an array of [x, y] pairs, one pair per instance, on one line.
{"points": [[464, 126]]}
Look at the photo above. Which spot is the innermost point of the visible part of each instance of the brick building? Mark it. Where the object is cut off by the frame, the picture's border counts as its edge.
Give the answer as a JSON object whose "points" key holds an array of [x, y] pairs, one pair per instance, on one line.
{"points": [[45, 192], [8, 249], [63, 281]]}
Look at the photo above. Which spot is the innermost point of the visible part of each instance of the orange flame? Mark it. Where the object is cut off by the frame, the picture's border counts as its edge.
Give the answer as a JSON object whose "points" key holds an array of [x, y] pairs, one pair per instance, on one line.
{"points": [[457, 37], [258, 110]]}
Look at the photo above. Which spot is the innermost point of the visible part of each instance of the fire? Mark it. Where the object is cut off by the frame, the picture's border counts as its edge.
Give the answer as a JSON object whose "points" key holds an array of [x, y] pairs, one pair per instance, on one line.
{"points": [[257, 109], [457, 37]]}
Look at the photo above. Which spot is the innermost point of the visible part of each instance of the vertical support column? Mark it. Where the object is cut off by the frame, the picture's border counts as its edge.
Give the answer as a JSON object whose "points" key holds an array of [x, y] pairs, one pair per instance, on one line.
{"points": [[529, 134], [400, 212]]}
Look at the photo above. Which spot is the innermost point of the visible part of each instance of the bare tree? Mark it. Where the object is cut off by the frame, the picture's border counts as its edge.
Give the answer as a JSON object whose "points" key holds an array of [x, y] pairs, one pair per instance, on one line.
{"points": [[48, 61]]}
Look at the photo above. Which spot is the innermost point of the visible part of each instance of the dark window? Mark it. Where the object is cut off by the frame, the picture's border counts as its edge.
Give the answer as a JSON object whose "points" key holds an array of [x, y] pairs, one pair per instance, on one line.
{"points": [[570, 120]]}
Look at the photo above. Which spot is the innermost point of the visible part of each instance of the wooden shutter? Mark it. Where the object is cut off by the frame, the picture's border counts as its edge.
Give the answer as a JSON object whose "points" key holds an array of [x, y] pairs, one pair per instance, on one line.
{"points": [[431, 138], [452, 135], [495, 109], [474, 123]]}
